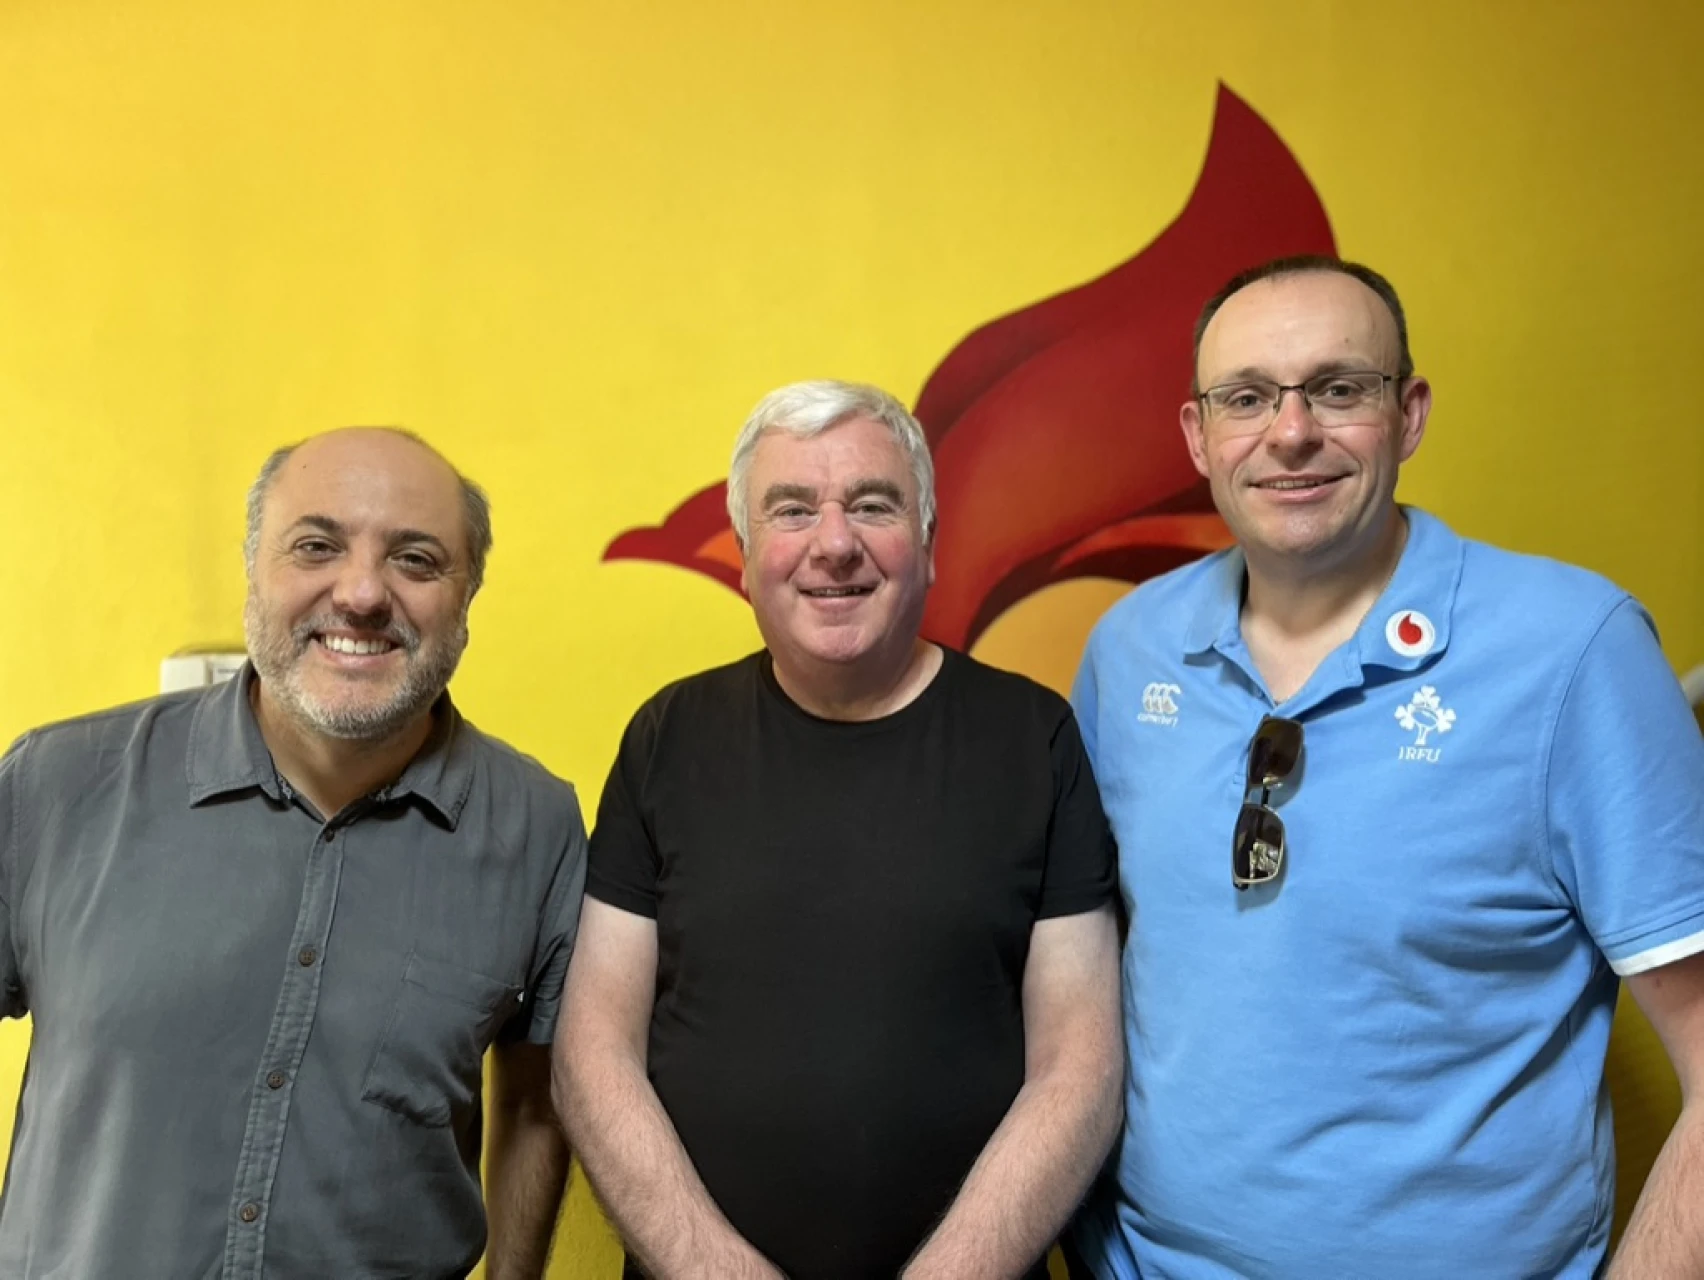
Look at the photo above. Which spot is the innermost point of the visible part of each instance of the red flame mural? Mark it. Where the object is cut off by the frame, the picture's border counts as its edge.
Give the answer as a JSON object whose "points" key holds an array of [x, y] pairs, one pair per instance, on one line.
{"points": [[1054, 429]]}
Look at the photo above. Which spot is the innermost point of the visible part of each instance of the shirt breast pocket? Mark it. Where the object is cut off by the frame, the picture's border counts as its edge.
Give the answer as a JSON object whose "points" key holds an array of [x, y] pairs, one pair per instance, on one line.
{"points": [[428, 1061]]}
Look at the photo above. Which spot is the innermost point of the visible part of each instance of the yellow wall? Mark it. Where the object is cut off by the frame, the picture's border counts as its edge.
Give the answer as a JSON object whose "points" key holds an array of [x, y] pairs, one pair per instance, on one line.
{"points": [[572, 243]]}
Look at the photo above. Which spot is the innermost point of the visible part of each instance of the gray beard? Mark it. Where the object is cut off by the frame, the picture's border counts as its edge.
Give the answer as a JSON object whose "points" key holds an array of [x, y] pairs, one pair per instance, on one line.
{"points": [[277, 656]]}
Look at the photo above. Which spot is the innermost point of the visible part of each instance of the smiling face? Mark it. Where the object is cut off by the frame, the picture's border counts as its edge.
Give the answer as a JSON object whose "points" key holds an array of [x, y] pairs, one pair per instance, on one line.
{"points": [[358, 594], [837, 565], [1295, 492]]}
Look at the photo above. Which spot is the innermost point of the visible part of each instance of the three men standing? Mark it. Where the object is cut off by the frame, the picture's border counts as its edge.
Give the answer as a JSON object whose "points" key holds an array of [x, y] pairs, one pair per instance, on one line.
{"points": [[845, 1001]]}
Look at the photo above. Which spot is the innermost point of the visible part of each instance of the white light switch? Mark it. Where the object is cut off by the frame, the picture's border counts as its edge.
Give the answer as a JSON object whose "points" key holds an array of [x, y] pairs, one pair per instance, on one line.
{"points": [[198, 668]]}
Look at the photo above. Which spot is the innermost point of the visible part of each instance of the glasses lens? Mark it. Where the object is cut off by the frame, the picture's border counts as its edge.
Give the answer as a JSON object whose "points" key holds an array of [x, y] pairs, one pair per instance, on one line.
{"points": [[1241, 408], [1339, 399], [1242, 399], [1274, 751], [1257, 848]]}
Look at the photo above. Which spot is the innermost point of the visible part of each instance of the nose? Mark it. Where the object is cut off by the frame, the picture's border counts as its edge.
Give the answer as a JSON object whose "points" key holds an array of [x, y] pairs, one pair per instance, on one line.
{"points": [[360, 588], [1293, 424], [836, 541]]}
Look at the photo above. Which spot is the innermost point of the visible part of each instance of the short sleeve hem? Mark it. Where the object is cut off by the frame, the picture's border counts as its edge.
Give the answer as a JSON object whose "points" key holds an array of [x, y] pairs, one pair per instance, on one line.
{"points": [[541, 1028], [1648, 957], [1081, 902], [620, 897]]}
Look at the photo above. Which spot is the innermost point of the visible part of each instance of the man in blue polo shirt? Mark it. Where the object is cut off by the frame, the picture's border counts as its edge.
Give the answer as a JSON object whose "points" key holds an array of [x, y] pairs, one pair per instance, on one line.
{"points": [[1397, 812]]}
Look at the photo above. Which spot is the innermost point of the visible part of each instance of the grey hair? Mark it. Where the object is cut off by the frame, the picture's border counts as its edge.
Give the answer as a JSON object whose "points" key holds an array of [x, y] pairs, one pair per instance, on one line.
{"points": [[476, 507], [806, 409]]}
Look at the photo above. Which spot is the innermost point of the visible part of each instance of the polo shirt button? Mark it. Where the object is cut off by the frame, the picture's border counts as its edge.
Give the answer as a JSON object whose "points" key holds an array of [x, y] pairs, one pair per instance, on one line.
{"points": [[249, 1212], [306, 956], [275, 1080]]}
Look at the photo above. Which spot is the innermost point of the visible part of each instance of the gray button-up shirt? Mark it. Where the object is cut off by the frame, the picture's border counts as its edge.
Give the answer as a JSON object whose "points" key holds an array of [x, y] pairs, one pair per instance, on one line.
{"points": [[259, 1035]]}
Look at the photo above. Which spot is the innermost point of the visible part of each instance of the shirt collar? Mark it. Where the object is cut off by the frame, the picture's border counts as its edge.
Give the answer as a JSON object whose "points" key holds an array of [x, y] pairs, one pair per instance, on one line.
{"points": [[227, 753], [1408, 625], [1217, 622], [441, 773]]}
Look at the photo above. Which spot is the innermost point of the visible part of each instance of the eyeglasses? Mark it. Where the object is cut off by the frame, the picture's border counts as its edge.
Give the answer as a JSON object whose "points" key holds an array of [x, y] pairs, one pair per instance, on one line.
{"points": [[1335, 400], [1257, 846]]}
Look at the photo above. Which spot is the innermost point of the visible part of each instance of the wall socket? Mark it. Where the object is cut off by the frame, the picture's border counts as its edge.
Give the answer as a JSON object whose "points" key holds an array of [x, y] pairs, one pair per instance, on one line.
{"points": [[196, 668]]}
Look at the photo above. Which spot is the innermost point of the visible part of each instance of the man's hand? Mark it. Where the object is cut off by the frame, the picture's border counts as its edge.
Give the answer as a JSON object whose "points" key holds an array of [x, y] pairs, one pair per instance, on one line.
{"points": [[1040, 1161], [627, 1145]]}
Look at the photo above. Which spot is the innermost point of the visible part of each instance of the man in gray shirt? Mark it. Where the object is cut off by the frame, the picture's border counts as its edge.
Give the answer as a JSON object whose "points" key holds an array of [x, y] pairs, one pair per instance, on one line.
{"points": [[268, 930]]}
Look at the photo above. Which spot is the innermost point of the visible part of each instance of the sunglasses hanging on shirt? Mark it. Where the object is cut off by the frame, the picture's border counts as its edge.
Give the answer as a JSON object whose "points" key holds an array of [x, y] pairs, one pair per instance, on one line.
{"points": [[1258, 844]]}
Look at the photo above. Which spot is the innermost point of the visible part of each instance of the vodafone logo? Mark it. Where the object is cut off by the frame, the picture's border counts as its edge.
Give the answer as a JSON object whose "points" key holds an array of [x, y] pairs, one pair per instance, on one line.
{"points": [[1410, 633]]}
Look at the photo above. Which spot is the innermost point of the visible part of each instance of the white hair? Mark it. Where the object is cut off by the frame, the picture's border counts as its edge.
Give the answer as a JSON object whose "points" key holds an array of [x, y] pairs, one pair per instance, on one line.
{"points": [[806, 409]]}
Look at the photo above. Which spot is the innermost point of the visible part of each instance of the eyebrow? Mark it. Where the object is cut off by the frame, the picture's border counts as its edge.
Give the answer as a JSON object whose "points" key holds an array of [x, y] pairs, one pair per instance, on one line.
{"points": [[393, 537], [1254, 373], [325, 524], [776, 494], [876, 488]]}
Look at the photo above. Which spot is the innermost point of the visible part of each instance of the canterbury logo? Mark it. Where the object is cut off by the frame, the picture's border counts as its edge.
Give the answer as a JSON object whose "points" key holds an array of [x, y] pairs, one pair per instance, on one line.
{"points": [[1161, 699]]}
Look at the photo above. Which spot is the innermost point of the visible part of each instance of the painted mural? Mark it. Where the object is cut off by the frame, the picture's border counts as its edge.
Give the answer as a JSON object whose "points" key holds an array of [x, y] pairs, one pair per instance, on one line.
{"points": [[1054, 429]]}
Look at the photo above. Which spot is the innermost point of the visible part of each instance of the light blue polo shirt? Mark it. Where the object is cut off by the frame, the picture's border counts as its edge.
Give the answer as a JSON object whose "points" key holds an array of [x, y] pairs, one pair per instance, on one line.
{"points": [[1389, 1063]]}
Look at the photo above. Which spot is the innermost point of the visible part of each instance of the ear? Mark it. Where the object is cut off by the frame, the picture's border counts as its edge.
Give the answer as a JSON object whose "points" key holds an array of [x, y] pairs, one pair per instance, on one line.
{"points": [[930, 552], [745, 565], [1416, 408], [1194, 433]]}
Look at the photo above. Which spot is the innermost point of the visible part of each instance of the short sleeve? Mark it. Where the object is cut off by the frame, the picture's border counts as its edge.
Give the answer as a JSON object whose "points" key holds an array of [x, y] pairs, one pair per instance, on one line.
{"points": [[559, 923], [1085, 702], [1082, 862], [1625, 798], [13, 1001], [624, 861]]}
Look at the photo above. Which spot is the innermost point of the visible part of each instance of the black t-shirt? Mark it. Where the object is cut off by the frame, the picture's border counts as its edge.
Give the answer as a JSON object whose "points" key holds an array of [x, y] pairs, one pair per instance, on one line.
{"points": [[843, 916]]}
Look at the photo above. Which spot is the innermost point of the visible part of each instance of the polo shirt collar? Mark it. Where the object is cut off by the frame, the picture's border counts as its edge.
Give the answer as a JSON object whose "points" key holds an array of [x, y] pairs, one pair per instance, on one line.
{"points": [[1409, 624], [227, 753], [1407, 627], [1217, 621]]}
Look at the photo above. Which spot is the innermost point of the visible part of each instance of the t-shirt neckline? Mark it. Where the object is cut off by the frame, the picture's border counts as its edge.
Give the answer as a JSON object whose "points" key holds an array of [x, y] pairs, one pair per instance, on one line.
{"points": [[918, 706]]}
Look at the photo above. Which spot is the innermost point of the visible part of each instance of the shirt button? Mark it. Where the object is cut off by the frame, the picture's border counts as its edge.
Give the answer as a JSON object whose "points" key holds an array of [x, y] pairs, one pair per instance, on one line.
{"points": [[328, 835], [275, 1080], [306, 956], [249, 1212]]}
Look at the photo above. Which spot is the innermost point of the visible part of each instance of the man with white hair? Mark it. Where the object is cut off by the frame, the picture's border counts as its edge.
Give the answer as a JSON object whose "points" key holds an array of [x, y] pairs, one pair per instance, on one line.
{"points": [[845, 1001], [267, 931]]}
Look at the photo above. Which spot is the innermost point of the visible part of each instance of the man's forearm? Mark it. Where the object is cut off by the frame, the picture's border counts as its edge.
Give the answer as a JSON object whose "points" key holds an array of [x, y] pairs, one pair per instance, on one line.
{"points": [[526, 1164], [1665, 1237], [526, 1173], [642, 1174], [1028, 1179]]}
